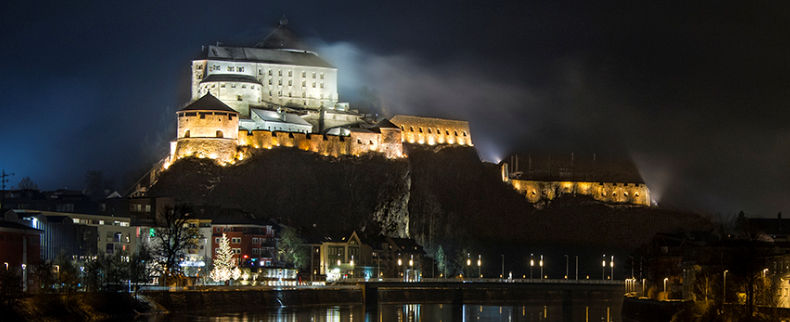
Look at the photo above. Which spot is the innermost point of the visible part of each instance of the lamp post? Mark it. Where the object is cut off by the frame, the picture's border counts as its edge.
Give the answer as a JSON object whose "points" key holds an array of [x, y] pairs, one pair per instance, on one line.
{"points": [[531, 264], [566, 267], [541, 266], [603, 267], [468, 263], [411, 265], [503, 266], [577, 267], [400, 262], [479, 262], [611, 265], [665, 284], [724, 287]]}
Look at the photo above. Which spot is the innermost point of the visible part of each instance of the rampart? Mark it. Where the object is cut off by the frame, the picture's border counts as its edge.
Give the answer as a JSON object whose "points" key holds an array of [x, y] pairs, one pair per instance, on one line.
{"points": [[631, 193], [431, 131]]}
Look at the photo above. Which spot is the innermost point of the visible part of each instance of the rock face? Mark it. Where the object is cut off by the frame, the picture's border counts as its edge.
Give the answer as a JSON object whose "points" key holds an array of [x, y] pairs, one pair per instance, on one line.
{"points": [[438, 195]]}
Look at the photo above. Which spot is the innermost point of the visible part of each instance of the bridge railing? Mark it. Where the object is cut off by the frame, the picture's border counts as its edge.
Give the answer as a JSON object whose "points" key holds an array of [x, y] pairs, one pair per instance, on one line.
{"points": [[483, 280]]}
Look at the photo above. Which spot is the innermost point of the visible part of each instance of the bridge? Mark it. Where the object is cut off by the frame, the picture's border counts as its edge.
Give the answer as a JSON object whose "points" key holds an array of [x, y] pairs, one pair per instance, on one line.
{"points": [[484, 291]]}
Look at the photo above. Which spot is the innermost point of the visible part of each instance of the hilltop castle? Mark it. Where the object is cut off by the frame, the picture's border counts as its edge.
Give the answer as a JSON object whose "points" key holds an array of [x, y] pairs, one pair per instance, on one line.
{"points": [[279, 93]]}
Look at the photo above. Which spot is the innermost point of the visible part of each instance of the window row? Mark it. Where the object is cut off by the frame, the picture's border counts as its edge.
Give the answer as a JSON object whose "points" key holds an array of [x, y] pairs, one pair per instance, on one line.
{"points": [[430, 131]]}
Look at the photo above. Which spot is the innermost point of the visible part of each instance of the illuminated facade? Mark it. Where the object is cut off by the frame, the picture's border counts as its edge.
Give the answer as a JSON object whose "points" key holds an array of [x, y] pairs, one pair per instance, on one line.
{"points": [[545, 179]]}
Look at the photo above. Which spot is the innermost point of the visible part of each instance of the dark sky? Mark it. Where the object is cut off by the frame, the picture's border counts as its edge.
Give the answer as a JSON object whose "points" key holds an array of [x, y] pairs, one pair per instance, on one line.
{"points": [[697, 94]]}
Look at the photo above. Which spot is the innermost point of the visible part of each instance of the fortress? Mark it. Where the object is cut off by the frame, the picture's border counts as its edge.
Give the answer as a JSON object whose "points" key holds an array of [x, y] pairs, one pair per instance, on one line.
{"points": [[279, 93], [545, 177]]}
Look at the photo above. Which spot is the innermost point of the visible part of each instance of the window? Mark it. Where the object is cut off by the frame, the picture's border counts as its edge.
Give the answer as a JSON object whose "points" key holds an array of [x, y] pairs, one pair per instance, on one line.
{"points": [[219, 134], [235, 240], [233, 85], [290, 73], [199, 66], [237, 250], [202, 115], [270, 72], [255, 251], [222, 85], [260, 72], [322, 75], [230, 68], [216, 67], [464, 133], [279, 72], [290, 82], [239, 98], [313, 74], [304, 83], [255, 240], [322, 84], [270, 82], [243, 85], [313, 84], [217, 240], [239, 69], [280, 82]]}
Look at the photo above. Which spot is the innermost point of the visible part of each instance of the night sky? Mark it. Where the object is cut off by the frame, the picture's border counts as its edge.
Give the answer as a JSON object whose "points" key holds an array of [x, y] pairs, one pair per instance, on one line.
{"points": [[696, 94]]}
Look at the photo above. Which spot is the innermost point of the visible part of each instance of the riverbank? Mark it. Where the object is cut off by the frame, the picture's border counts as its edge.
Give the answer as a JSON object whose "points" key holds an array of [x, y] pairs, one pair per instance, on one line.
{"points": [[74, 307], [231, 300]]}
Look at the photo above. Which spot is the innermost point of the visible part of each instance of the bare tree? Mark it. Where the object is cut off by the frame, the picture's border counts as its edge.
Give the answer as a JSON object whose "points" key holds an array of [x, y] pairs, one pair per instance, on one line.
{"points": [[27, 183], [172, 237]]}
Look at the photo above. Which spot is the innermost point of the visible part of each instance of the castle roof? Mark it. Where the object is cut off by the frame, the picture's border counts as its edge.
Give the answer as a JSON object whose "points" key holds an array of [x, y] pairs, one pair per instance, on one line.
{"points": [[386, 124], [282, 38], [264, 55], [230, 78], [208, 103]]}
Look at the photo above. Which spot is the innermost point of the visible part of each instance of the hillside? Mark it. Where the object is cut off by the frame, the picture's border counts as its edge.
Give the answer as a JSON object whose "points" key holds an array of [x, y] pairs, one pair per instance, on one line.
{"points": [[438, 195]]}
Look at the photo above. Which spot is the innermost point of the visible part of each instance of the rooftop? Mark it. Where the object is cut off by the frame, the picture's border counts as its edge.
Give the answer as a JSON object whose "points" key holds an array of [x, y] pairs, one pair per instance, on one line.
{"points": [[208, 103]]}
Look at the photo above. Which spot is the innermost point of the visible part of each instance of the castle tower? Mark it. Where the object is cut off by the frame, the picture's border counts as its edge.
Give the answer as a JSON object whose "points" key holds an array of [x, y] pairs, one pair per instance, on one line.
{"points": [[207, 128], [391, 139]]}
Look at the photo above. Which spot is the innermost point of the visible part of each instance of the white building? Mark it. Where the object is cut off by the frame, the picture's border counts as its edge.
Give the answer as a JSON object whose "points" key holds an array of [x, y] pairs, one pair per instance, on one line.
{"points": [[277, 72]]}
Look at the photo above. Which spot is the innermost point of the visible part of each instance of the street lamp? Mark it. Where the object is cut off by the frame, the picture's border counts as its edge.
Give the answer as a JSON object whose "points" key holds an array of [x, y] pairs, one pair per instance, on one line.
{"points": [[531, 264], [479, 262], [665, 284], [577, 267], [566, 267], [400, 262], [468, 263], [724, 287], [541, 266], [503, 266], [603, 267], [611, 265]]}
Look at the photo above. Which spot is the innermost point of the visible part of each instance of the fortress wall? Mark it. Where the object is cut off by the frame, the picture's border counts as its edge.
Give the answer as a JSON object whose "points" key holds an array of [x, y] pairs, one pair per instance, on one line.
{"points": [[223, 150], [205, 124], [632, 193], [425, 130], [364, 142], [391, 143]]}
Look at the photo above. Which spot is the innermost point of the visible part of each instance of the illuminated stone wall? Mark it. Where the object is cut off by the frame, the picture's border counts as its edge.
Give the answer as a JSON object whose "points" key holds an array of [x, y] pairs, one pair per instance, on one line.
{"points": [[221, 150], [631, 193], [330, 145], [206, 124], [431, 131]]}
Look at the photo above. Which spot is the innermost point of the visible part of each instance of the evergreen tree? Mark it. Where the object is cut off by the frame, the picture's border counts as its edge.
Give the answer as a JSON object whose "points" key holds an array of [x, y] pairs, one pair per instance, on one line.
{"points": [[223, 263]]}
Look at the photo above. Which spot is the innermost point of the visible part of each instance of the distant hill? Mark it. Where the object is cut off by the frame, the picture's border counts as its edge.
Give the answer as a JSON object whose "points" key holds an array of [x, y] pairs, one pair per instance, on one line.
{"points": [[438, 195]]}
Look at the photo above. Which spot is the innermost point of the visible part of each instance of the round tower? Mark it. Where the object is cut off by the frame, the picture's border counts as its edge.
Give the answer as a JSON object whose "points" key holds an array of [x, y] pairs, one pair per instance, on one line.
{"points": [[207, 128]]}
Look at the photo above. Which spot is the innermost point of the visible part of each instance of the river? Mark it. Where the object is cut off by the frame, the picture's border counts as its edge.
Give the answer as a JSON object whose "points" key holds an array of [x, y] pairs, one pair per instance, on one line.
{"points": [[577, 312]]}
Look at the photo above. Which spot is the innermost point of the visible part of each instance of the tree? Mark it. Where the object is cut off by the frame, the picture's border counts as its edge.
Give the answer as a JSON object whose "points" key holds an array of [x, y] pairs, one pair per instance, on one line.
{"points": [[292, 248], [172, 236], [45, 274], [441, 259], [223, 263], [27, 183], [10, 286], [139, 266]]}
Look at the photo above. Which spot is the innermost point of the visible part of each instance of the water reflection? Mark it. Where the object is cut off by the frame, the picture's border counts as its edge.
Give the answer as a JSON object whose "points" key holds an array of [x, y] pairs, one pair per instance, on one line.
{"points": [[587, 312]]}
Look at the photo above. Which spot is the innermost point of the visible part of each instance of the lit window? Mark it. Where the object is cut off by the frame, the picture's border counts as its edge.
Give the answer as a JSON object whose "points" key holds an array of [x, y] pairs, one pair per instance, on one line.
{"points": [[240, 69], [230, 68]]}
